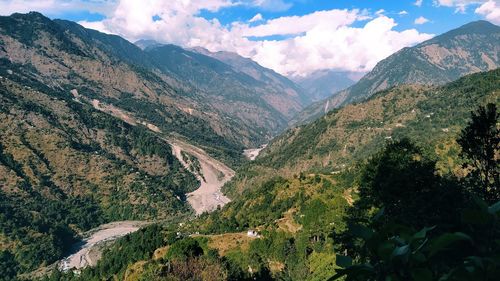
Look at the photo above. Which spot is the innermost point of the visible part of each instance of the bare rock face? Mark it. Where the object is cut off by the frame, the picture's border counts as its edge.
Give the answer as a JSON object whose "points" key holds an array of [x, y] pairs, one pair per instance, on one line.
{"points": [[469, 49]]}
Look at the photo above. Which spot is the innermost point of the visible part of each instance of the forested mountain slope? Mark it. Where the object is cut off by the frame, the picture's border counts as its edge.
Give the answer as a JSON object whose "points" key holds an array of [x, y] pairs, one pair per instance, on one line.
{"points": [[172, 88], [398, 196], [468, 49], [431, 116], [66, 167]]}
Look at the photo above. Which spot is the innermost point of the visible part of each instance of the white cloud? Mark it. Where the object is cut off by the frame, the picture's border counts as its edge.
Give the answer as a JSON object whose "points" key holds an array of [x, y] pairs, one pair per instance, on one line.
{"points": [[256, 18], [418, 3], [460, 5], [403, 13], [292, 25], [380, 12], [490, 11], [421, 20], [347, 48], [272, 5]]}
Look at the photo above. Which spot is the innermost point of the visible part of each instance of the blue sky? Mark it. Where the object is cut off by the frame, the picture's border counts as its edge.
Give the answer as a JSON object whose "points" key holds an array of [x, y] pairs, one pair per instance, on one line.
{"points": [[293, 37]]}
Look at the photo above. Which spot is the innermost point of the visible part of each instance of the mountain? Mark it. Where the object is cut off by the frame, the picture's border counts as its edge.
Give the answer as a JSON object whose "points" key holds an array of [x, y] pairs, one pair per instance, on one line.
{"points": [[182, 93], [432, 116], [146, 44], [66, 167], [264, 104], [275, 84], [468, 49], [322, 84]]}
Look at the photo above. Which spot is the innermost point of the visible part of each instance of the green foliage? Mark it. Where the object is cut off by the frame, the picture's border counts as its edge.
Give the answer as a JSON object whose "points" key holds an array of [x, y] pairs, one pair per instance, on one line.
{"points": [[403, 181], [184, 249], [395, 252], [480, 142]]}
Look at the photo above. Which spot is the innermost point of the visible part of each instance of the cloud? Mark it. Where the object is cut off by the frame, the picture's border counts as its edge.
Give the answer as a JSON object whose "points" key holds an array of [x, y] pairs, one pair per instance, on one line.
{"points": [[403, 13], [345, 47], [380, 12], [490, 11], [272, 5], [294, 25], [421, 20], [418, 3], [460, 5], [256, 18], [54, 7]]}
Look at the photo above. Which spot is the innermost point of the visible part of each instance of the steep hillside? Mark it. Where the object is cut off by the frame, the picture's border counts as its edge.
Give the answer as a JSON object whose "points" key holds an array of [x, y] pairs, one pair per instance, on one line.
{"points": [[274, 83], [66, 167], [432, 116], [241, 96], [178, 91], [468, 49]]}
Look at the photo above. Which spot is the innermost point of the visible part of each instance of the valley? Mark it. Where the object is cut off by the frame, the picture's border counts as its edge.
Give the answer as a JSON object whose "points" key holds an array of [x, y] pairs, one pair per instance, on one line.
{"points": [[152, 161], [87, 252]]}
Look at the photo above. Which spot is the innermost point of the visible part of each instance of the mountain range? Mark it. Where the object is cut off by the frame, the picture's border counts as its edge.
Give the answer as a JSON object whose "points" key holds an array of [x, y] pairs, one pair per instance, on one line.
{"points": [[181, 92], [96, 129], [468, 49]]}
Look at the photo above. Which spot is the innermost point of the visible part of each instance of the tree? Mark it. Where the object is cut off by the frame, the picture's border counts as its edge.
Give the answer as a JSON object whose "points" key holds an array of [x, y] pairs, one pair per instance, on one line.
{"points": [[480, 142], [403, 181]]}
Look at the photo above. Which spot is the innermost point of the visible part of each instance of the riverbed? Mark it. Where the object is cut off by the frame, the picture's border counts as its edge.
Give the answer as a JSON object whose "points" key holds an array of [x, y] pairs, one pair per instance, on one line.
{"points": [[87, 252]]}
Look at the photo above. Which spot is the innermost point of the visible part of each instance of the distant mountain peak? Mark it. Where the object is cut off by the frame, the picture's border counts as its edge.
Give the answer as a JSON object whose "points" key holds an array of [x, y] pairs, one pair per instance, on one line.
{"points": [[145, 44]]}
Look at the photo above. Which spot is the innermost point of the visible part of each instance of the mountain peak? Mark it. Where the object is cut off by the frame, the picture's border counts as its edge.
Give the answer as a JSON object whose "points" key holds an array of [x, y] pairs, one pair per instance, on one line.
{"points": [[480, 27]]}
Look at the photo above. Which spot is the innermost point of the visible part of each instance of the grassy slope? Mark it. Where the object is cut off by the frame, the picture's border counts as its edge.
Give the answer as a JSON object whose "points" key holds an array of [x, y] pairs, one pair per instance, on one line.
{"points": [[432, 116]]}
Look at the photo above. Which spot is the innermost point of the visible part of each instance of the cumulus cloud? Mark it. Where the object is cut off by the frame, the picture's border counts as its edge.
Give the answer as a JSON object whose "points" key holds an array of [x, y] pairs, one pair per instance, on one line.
{"points": [[421, 20], [256, 18], [418, 3], [403, 13], [490, 10]]}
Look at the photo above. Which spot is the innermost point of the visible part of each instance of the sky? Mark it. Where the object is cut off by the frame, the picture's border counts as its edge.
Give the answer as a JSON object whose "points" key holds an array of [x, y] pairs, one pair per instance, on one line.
{"points": [[292, 37]]}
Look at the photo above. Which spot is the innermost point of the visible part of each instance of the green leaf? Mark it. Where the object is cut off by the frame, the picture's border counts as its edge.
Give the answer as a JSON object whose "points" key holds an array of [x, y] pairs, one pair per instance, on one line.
{"points": [[423, 233], [361, 231], [495, 208], [343, 261], [421, 274], [444, 241]]}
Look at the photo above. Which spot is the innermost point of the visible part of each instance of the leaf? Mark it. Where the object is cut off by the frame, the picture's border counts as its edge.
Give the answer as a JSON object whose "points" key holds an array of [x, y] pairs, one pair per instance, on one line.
{"points": [[495, 208], [343, 261], [423, 233], [421, 274], [401, 253], [444, 241], [361, 231]]}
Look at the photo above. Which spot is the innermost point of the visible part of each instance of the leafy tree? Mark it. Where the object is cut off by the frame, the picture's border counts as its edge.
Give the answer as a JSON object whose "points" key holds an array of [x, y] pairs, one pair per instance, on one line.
{"points": [[184, 248], [403, 181], [397, 253], [480, 142]]}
